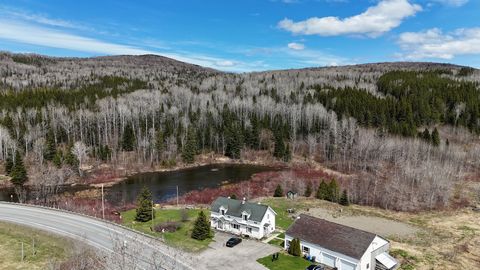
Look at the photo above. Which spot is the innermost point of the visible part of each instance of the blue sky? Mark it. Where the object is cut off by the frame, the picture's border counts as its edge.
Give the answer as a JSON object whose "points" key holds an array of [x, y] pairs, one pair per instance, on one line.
{"points": [[248, 35]]}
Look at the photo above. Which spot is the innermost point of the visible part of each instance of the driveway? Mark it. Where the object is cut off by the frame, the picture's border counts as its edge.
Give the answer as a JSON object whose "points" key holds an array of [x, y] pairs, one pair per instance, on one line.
{"points": [[242, 257]]}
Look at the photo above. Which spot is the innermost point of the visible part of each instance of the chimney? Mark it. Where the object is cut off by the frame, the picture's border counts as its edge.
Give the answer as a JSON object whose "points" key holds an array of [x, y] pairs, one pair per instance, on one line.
{"points": [[243, 202]]}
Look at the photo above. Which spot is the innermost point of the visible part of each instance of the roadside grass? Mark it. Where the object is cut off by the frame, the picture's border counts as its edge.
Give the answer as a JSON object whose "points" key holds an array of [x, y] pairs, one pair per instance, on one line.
{"points": [[181, 238], [284, 262], [277, 242], [48, 248]]}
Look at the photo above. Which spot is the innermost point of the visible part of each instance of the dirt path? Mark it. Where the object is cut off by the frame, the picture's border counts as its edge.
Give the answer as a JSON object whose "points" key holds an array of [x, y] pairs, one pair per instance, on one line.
{"points": [[381, 226]]}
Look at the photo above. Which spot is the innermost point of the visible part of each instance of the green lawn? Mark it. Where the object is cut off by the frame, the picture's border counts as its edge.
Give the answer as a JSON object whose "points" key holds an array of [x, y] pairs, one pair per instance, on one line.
{"points": [[284, 262], [280, 205], [48, 248], [277, 242], [181, 238]]}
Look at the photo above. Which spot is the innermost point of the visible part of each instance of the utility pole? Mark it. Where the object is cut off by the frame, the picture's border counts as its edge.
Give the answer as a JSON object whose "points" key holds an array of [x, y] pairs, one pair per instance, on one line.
{"points": [[177, 195], [23, 255], [103, 204], [33, 246]]}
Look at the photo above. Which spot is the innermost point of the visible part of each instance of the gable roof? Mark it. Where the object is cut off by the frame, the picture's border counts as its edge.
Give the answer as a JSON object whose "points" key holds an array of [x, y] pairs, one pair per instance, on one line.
{"points": [[235, 208], [335, 237]]}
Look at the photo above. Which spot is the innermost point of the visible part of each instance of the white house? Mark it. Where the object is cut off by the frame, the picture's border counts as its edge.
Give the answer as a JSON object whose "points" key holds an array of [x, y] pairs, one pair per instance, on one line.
{"points": [[340, 246], [242, 218]]}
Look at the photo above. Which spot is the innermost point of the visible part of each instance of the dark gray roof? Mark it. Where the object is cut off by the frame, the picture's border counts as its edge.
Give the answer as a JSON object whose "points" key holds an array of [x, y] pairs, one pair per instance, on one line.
{"points": [[339, 238], [235, 208]]}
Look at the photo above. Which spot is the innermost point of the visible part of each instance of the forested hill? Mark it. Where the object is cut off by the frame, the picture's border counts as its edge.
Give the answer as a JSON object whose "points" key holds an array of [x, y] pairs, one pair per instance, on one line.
{"points": [[164, 111]]}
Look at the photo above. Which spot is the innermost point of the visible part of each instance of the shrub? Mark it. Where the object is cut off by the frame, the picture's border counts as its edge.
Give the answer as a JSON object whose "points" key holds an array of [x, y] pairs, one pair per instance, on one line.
{"points": [[294, 248], [201, 229], [278, 191], [168, 226]]}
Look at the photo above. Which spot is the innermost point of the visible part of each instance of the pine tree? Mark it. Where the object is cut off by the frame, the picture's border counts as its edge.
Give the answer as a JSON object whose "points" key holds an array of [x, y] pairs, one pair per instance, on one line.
{"points": [[201, 228], [19, 173], [144, 206], [70, 158], [8, 165], [344, 198], [279, 149], [288, 154], [426, 135], [294, 249], [128, 139], [50, 148], [190, 148], [333, 191], [308, 190], [58, 159], [322, 192], [234, 142], [278, 191], [435, 137]]}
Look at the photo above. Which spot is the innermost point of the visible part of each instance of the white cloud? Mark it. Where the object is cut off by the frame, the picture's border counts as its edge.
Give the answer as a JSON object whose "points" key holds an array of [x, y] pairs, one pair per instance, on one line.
{"points": [[455, 3], [376, 20], [433, 43], [296, 46]]}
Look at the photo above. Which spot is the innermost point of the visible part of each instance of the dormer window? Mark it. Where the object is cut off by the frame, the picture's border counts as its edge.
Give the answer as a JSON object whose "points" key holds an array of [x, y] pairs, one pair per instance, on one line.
{"points": [[245, 217], [223, 210]]}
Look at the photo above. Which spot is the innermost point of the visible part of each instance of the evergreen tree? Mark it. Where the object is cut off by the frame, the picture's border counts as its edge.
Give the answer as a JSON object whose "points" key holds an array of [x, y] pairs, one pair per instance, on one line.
{"points": [[435, 137], [333, 191], [19, 173], [201, 228], [233, 196], [104, 152], [288, 154], [144, 206], [279, 150], [70, 158], [344, 198], [128, 139], [426, 135], [159, 142], [234, 142], [308, 190], [50, 148], [8, 165], [322, 192], [294, 249], [58, 159], [190, 148], [278, 191]]}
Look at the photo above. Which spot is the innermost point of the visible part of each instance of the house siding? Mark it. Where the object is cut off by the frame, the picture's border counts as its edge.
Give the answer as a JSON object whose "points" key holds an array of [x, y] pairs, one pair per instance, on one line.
{"points": [[257, 228]]}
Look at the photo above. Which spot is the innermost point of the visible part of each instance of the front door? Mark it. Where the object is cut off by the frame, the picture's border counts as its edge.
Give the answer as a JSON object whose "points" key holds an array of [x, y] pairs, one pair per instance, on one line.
{"points": [[220, 225]]}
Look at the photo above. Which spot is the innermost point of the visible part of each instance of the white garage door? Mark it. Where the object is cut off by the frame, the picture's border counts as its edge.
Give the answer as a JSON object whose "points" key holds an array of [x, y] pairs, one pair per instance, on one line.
{"points": [[347, 266], [329, 260]]}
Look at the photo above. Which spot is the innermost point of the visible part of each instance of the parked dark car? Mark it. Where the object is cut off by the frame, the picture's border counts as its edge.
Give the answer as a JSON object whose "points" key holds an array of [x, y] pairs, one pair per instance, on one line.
{"points": [[315, 267], [233, 241]]}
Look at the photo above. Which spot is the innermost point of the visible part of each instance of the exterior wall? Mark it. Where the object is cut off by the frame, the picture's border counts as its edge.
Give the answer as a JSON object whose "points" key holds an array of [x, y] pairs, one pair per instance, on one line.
{"points": [[257, 227], [269, 218], [318, 252], [378, 246]]}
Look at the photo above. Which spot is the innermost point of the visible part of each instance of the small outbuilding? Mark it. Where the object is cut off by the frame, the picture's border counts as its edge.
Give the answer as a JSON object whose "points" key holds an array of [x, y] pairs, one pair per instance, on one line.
{"points": [[292, 194]]}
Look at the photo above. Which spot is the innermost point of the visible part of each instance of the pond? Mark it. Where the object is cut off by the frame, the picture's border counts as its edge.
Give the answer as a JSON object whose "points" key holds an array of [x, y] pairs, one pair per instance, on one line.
{"points": [[163, 185]]}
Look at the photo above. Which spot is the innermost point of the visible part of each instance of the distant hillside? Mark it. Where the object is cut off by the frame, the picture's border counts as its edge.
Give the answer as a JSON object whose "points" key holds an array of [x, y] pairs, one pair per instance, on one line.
{"points": [[382, 124]]}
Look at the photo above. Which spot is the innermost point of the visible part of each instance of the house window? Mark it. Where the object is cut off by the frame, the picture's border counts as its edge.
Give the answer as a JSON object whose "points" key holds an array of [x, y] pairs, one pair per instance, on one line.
{"points": [[249, 230], [236, 226], [245, 217], [368, 265], [223, 212], [306, 250], [288, 243]]}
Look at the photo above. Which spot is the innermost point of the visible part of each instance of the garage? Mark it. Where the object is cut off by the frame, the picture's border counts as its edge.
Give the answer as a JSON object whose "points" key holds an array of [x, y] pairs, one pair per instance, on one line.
{"points": [[344, 265], [329, 260]]}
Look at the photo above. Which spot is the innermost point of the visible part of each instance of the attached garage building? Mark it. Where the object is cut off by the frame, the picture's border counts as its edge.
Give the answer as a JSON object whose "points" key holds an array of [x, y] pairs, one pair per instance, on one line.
{"points": [[340, 246]]}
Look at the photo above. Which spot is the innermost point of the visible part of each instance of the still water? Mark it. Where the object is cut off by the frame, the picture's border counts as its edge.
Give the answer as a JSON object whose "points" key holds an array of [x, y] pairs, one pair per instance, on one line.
{"points": [[163, 185]]}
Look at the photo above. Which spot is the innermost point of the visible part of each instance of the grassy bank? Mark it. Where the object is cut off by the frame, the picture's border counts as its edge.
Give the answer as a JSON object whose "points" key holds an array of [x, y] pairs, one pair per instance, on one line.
{"points": [[180, 238], [284, 262], [48, 248]]}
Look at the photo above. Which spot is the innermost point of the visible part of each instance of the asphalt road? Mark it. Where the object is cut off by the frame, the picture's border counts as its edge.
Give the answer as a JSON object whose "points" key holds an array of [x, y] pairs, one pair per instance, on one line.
{"points": [[123, 248]]}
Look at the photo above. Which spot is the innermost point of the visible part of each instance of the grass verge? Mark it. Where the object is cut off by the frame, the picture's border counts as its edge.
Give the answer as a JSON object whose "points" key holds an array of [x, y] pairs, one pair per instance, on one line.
{"points": [[48, 248]]}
